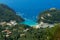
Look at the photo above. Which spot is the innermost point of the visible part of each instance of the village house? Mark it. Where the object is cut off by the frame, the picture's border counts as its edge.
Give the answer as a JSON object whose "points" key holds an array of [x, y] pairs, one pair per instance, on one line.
{"points": [[9, 23], [43, 25]]}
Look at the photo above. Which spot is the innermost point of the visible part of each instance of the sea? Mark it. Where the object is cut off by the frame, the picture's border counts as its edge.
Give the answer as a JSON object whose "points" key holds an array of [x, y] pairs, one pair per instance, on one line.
{"points": [[30, 9]]}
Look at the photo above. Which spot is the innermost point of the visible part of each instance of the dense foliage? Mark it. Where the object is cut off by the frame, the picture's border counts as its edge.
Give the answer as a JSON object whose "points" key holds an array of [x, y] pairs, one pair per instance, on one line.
{"points": [[19, 32], [12, 32], [7, 14], [50, 16]]}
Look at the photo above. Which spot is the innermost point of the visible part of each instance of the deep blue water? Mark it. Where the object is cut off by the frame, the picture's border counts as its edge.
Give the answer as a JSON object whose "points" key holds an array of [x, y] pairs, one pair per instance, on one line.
{"points": [[29, 9]]}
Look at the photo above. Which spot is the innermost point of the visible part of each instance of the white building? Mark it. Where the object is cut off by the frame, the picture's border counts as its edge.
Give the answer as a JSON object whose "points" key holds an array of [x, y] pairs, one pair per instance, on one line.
{"points": [[22, 35], [13, 22], [25, 30], [46, 25], [42, 17], [9, 24], [2, 23], [52, 8], [43, 25], [48, 14]]}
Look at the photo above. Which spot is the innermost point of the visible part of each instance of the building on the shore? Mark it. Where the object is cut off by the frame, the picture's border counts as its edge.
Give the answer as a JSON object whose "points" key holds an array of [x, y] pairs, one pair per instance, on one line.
{"points": [[43, 25]]}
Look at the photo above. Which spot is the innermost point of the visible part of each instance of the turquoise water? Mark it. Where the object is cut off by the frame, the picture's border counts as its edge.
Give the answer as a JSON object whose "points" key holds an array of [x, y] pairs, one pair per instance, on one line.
{"points": [[29, 22]]}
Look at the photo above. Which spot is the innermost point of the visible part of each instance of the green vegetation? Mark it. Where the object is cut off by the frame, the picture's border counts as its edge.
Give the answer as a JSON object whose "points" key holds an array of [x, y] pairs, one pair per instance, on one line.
{"points": [[7, 14], [20, 32], [50, 16], [12, 32]]}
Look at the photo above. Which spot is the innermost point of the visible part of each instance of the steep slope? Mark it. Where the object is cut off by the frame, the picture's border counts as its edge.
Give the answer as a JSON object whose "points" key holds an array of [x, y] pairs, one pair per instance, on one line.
{"points": [[50, 16], [7, 14]]}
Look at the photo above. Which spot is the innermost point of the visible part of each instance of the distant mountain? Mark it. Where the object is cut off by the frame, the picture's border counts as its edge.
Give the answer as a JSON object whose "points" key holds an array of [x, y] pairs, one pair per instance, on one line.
{"points": [[7, 14], [50, 16]]}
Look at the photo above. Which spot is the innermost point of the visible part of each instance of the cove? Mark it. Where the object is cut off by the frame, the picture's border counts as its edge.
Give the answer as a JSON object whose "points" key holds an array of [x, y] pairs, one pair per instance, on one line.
{"points": [[30, 22]]}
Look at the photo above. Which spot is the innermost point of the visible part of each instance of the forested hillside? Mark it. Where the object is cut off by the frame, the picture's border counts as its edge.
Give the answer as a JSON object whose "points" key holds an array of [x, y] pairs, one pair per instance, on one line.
{"points": [[7, 14], [50, 16]]}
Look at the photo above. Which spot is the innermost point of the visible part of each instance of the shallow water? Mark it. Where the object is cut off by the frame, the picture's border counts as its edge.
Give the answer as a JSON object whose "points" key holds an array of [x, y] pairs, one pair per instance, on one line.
{"points": [[29, 22]]}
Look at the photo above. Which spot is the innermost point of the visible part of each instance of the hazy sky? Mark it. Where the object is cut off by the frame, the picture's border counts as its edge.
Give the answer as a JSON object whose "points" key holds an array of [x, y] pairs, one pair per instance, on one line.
{"points": [[31, 8]]}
